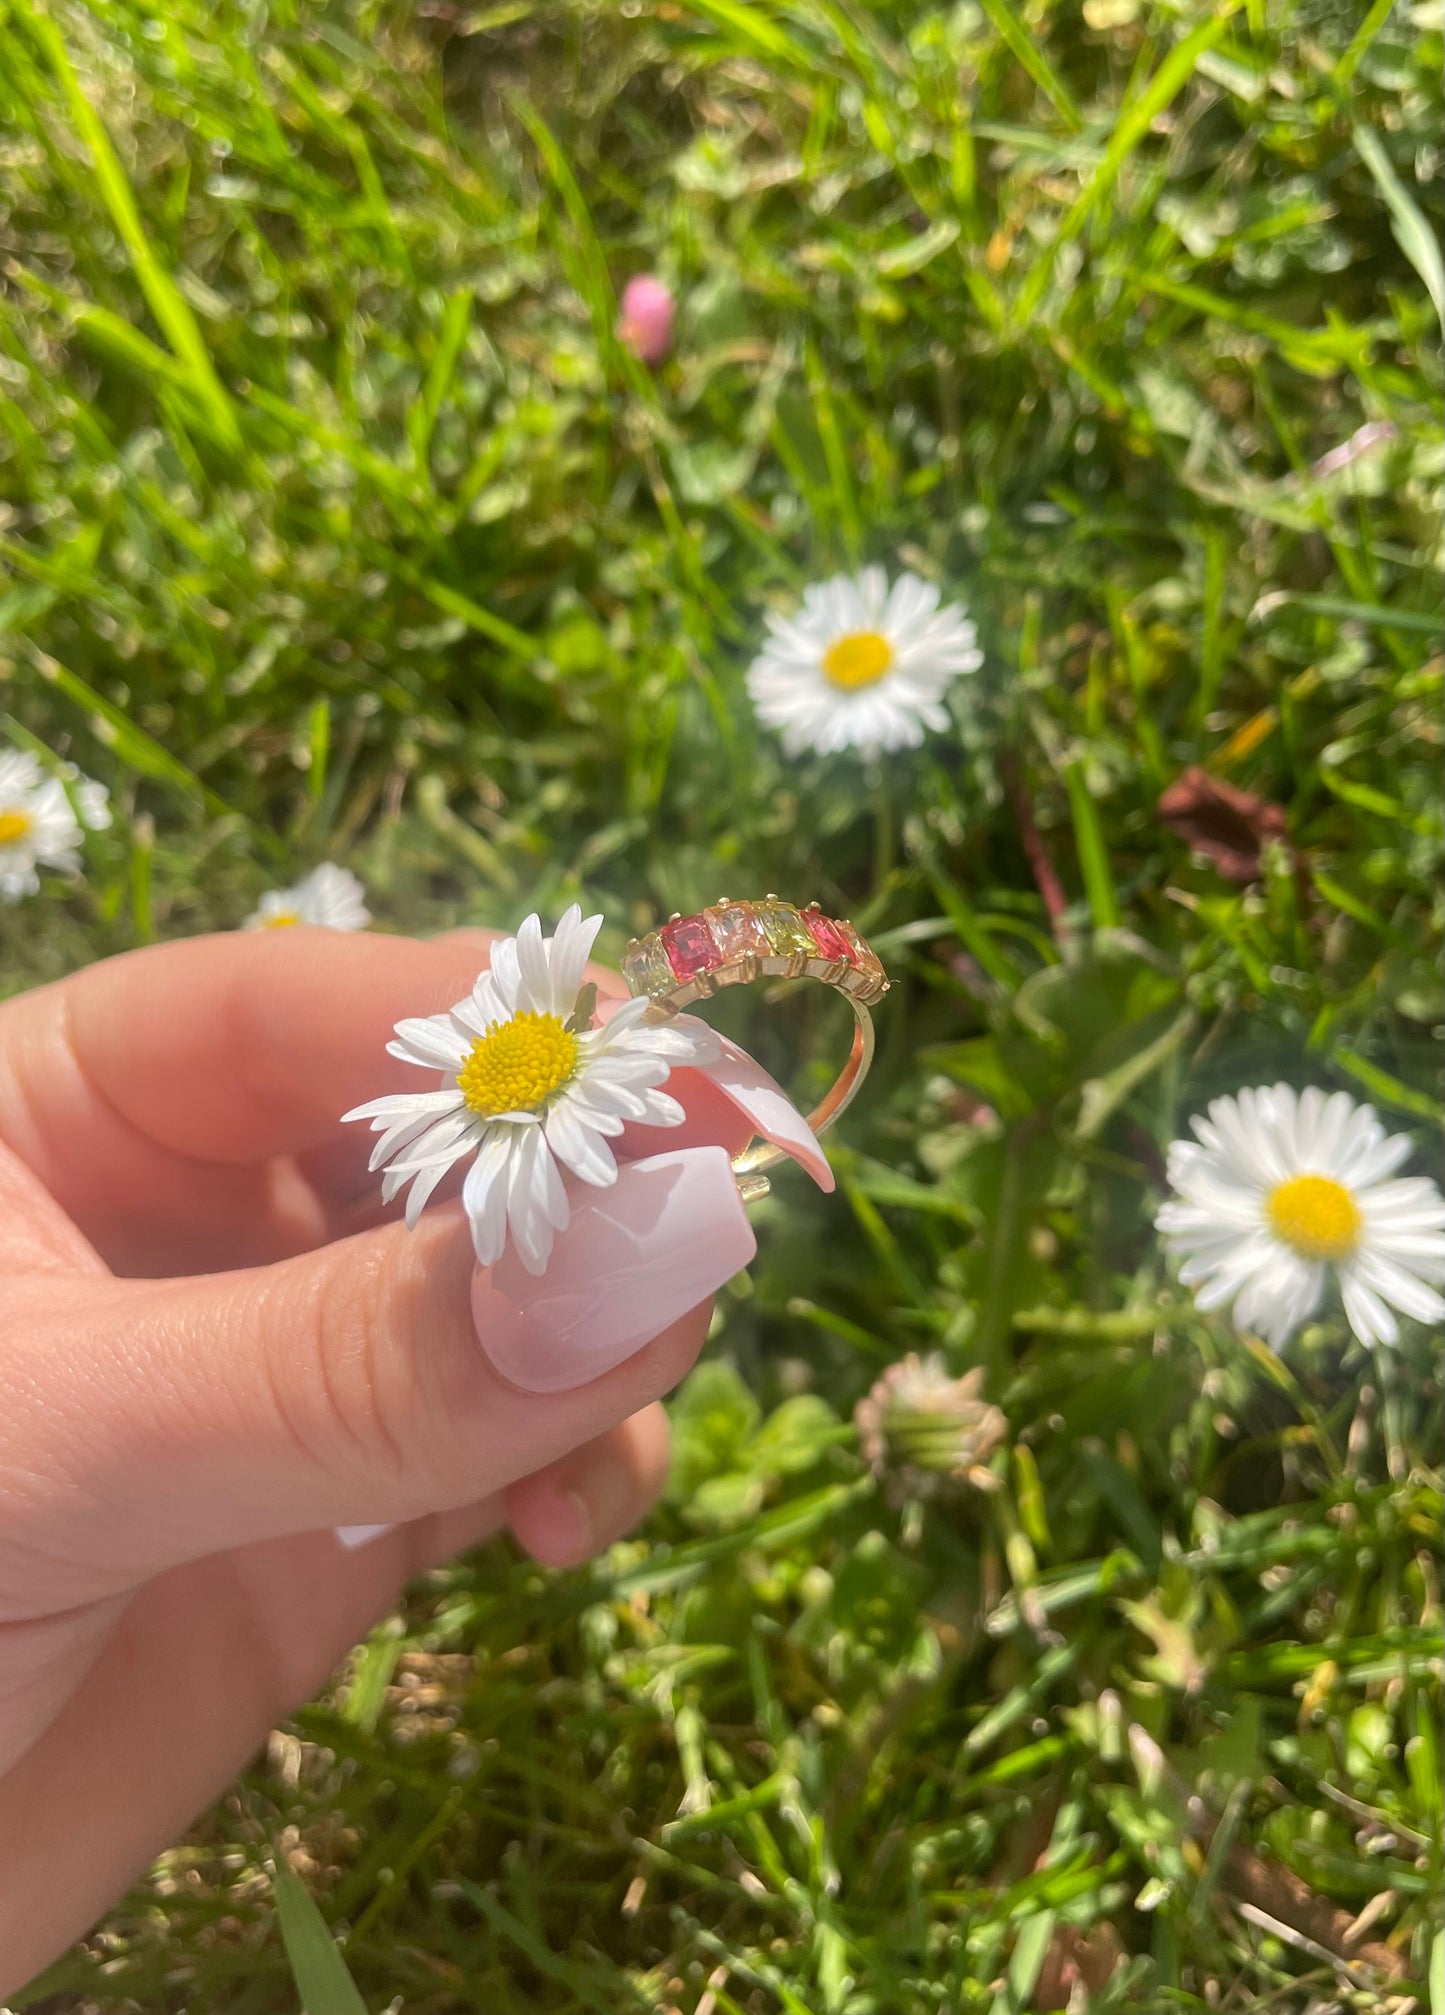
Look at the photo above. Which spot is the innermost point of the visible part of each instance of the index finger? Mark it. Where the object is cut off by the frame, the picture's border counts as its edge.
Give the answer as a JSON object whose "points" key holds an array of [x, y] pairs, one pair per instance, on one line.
{"points": [[214, 1052], [152, 1085]]}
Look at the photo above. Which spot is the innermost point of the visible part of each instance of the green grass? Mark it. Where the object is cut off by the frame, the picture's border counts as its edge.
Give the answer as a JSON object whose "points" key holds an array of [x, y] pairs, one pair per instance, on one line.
{"points": [[336, 522]]}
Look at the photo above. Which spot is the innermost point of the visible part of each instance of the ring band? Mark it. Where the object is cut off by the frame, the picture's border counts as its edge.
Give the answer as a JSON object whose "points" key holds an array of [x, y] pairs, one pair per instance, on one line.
{"points": [[733, 944]]}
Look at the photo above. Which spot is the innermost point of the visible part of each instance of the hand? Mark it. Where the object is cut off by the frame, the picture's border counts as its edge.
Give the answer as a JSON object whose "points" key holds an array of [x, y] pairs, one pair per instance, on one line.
{"points": [[214, 1351]]}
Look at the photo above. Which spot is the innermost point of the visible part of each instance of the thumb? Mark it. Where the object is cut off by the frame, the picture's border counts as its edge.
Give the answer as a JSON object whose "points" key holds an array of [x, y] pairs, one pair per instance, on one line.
{"points": [[372, 1380]]}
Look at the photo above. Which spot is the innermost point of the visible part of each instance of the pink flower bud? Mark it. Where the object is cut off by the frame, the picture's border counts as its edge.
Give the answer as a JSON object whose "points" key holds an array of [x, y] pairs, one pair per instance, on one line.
{"points": [[645, 324]]}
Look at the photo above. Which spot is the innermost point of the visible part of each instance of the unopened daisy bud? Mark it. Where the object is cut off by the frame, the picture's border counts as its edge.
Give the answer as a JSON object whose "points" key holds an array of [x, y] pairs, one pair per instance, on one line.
{"points": [[645, 324], [922, 1431]]}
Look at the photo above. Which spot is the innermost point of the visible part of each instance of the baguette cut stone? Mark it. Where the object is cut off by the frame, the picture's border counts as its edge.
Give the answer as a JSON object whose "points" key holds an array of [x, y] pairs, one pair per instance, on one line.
{"points": [[690, 948], [827, 936]]}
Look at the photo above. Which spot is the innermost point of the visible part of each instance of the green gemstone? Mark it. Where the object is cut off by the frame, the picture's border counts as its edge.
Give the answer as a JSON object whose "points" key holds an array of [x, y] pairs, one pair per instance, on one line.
{"points": [[645, 968], [786, 932]]}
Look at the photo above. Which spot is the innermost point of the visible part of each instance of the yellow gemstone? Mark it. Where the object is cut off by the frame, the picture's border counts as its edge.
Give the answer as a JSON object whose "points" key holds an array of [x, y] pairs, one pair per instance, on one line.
{"points": [[785, 930], [1315, 1215], [14, 826], [517, 1065], [859, 659]]}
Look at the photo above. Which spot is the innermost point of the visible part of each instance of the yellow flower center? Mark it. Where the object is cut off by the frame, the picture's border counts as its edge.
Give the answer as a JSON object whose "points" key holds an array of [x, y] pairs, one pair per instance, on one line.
{"points": [[518, 1064], [281, 920], [14, 826], [1316, 1215], [859, 659]]}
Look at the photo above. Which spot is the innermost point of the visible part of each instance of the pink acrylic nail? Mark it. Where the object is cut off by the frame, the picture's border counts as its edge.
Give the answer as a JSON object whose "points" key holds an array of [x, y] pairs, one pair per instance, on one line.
{"points": [[635, 1258]]}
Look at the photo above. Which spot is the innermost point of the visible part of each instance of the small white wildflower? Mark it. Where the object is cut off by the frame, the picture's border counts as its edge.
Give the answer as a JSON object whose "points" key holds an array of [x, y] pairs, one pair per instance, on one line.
{"points": [[862, 665], [1279, 1190], [39, 826], [528, 1089], [329, 895]]}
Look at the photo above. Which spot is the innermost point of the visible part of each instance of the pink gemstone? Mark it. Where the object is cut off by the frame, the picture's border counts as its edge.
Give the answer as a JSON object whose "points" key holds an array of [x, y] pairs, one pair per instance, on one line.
{"points": [[737, 931], [830, 940], [689, 947]]}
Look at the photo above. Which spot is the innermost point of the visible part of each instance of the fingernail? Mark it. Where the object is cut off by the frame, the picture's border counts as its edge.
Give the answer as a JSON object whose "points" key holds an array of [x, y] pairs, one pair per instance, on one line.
{"points": [[559, 1528], [352, 1536], [635, 1257]]}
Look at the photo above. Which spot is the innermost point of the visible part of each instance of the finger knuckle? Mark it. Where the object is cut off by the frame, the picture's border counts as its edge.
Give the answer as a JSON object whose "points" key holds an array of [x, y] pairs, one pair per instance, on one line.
{"points": [[386, 1372]]}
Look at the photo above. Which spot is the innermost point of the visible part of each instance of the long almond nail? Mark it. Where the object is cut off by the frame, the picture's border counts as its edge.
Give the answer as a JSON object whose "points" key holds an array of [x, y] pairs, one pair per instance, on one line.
{"points": [[635, 1257]]}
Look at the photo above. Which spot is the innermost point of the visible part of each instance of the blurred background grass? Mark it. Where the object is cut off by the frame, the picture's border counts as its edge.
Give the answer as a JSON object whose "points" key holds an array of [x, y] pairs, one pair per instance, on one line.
{"points": [[336, 522]]}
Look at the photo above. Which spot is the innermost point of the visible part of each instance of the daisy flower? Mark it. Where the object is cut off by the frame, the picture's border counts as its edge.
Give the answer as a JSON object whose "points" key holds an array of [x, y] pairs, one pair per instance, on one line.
{"points": [[1280, 1190], [862, 665], [39, 826], [329, 895], [528, 1089]]}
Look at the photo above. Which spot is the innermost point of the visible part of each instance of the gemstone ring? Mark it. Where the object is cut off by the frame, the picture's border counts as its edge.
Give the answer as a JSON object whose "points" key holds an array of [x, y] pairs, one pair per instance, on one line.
{"points": [[733, 944]]}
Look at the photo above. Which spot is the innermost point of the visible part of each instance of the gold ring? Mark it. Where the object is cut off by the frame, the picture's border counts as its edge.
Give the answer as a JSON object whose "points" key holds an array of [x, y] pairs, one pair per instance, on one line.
{"points": [[732, 944]]}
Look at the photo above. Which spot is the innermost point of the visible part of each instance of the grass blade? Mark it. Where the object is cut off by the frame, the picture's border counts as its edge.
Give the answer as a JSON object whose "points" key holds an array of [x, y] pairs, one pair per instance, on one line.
{"points": [[1033, 59], [1412, 234], [164, 298], [325, 1986], [1093, 851]]}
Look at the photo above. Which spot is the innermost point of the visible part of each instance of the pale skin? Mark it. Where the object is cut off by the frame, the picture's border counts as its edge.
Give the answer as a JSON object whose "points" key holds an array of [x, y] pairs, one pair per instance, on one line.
{"points": [[215, 1348]]}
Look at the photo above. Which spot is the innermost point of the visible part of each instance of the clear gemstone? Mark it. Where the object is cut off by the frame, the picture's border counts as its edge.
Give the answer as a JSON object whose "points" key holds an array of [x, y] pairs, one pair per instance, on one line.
{"points": [[645, 968]]}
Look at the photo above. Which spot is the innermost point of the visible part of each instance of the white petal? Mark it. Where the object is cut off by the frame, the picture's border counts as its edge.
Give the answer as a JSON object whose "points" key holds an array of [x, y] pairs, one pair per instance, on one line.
{"points": [[605, 1107], [536, 1200], [1367, 1315], [571, 949], [1398, 1286], [619, 1020], [579, 1147], [421, 1190], [445, 1140], [394, 1138], [662, 1110], [534, 996], [401, 1104], [484, 1198], [1332, 1123], [482, 1007], [1411, 1201], [504, 976], [429, 1040], [1371, 1157]]}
